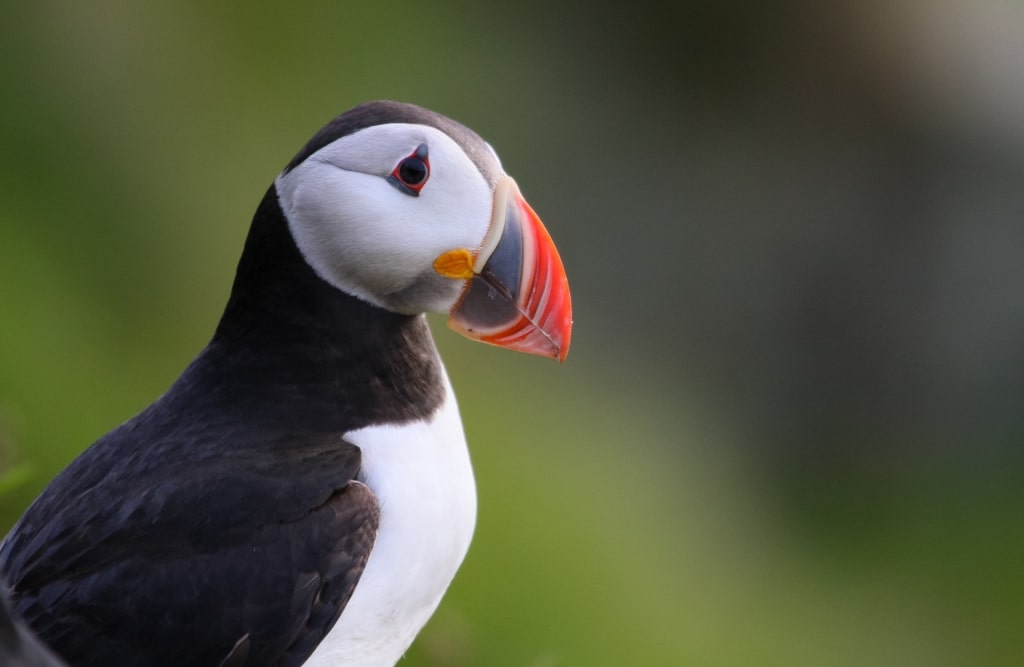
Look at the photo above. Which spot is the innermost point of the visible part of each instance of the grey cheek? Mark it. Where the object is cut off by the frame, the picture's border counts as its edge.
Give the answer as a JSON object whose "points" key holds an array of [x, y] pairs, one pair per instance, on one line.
{"points": [[427, 292]]}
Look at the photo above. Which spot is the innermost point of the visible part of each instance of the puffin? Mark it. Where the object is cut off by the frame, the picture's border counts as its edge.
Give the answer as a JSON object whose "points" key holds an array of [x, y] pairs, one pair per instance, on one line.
{"points": [[302, 494]]}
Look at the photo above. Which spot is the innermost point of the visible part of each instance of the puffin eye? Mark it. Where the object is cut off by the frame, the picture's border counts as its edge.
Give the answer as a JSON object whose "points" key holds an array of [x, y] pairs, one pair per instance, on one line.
{"points": [[411, 174], [413, 171]]}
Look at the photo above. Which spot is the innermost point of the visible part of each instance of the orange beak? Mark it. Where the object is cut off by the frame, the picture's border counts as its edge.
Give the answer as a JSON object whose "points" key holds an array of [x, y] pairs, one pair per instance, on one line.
{"points": [[517, 294]]}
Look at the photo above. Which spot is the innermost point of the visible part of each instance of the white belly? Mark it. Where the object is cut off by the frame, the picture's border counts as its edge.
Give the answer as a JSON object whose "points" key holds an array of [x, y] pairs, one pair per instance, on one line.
{"points": [[423, 481]]}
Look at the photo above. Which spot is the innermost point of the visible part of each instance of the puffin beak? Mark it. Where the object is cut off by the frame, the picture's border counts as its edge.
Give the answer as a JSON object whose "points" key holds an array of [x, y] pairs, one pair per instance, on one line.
{"points": [[516, 293]]}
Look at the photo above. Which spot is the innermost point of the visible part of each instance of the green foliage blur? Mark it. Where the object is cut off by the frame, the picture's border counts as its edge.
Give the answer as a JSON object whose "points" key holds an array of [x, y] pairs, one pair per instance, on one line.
{"points": [[789, 430]]}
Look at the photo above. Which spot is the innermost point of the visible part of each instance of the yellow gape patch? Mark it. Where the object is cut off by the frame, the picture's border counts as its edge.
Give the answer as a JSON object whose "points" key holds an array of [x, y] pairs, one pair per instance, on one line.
{"points": [[456, 263]]}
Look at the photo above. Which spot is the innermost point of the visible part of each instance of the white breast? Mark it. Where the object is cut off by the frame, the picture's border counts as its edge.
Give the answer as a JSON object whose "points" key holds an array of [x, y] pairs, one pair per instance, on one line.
{"points": [[423, 481]]}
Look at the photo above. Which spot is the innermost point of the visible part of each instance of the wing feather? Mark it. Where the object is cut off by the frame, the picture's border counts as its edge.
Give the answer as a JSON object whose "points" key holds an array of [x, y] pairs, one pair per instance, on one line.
{"points": [[248, 562]]}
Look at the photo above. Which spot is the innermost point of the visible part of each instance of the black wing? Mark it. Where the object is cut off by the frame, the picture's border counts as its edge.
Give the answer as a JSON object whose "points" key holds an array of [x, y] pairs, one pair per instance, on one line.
{"points": [[246, 557]]}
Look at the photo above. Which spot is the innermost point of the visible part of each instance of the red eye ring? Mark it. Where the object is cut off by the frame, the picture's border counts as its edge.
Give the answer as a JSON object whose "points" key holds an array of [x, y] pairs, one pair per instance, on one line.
{"points": [[412, 172]]}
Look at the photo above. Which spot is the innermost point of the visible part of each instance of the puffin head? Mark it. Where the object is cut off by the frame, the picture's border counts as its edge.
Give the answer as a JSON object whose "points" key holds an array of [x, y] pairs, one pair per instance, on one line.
{"points": [[412, 212]]}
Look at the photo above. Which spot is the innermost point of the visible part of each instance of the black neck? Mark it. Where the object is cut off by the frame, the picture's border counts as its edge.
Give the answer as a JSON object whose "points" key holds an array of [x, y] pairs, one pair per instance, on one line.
{"points": [[291, 344], [278, 299]]}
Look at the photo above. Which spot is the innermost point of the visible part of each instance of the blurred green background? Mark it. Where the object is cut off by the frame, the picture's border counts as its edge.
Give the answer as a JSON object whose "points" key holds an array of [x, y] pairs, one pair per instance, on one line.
{"points": [[789, 431]]}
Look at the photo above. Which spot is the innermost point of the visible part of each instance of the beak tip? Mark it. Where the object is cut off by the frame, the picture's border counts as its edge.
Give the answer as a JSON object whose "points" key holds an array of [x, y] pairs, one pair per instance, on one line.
{"points": [[562, 340]]}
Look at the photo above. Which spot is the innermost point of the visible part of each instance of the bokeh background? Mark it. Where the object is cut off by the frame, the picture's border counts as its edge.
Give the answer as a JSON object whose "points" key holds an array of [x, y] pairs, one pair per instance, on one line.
{"points": [[790, 429]]}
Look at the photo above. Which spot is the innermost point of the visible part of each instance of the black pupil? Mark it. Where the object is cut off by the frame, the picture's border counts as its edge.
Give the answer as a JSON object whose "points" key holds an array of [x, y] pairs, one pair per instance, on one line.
{"points": [[412, 171]]}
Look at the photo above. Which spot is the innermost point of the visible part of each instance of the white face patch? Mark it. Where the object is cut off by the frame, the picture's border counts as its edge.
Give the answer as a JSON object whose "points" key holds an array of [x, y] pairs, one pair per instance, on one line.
{"points": [[365, 236]]}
